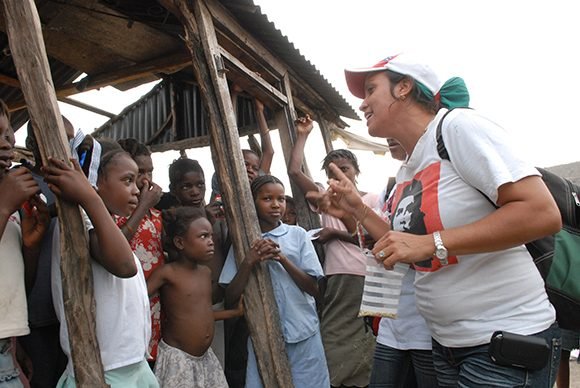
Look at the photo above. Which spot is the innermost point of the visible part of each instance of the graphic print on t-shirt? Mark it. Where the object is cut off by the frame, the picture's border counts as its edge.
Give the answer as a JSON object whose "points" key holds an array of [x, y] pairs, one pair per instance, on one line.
{"points": [[416, 210]]}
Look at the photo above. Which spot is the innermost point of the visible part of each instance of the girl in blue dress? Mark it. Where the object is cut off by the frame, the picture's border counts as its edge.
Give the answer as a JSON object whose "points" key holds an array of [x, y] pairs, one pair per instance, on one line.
{"points": [[295, 270]]}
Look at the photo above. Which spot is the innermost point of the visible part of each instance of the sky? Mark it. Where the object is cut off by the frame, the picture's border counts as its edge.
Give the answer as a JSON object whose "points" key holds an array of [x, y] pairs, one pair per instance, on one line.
{"points": [[518, 58]]}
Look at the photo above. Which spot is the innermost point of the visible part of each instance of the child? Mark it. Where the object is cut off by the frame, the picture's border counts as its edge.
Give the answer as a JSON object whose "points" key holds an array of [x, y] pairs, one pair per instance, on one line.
{"points": [[295, 270], [187, 184], [20, 240], [185, 357], [42, 345], [144, 227], [290, 217], [123, 326]]}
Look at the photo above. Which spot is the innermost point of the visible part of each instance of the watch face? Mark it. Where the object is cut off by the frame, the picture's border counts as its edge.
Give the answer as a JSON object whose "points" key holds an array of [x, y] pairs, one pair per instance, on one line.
{"points": [[441, 253]]}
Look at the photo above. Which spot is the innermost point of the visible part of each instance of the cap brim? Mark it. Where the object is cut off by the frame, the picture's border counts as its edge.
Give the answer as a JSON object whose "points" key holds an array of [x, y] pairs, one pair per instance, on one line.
{"points": [[355, 79]]}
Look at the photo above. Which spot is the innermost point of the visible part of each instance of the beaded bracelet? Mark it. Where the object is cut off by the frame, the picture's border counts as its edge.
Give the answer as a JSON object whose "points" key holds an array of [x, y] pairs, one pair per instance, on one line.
{"points": [[365, 213]]}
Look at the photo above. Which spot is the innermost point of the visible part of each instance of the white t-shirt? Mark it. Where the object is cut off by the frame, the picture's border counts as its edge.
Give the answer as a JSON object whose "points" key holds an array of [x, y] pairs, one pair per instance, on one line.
{"points": [[475, 295], [122, 312], [14, 321], [409, 330]]}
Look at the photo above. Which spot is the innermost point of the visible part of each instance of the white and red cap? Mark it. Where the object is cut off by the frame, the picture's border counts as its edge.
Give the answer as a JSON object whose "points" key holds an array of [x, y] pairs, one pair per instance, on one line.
{"points": [[400, 63]]}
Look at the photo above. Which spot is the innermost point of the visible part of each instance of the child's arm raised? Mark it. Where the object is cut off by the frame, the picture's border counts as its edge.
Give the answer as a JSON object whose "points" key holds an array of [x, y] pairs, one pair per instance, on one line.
{"points": [[305, 282], [108, 246], [260, 250], [265, 140], [303, 127]]}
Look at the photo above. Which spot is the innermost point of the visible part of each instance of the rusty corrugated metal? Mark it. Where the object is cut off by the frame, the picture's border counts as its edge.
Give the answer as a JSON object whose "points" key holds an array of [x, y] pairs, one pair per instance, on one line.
{"points": [[144, 119]]}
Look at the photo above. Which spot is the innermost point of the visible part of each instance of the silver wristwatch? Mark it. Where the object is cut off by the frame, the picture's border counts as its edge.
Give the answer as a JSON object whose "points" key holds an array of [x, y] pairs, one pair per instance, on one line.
{"points": [[440, 250]]}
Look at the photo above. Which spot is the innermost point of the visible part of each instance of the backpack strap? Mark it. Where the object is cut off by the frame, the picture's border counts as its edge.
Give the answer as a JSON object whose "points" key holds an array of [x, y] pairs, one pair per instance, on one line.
{"points": [[442, 150], [390, 184]]}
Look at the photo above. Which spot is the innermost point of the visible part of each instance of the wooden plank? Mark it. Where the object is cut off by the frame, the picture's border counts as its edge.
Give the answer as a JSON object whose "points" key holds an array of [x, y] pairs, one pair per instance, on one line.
{"points": [[268, 60], [261, 308], [302, 107], [194, 142], [163, 64], [28, 51], [224, 19], [106, 40], [88, 107], [257, 80], [304, 91], [10, 81], [325, 129], [285, 122]]}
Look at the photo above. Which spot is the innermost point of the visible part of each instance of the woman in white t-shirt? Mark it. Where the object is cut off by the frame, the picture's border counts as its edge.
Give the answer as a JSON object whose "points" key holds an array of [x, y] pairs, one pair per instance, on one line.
{"points": [[474, 276]]}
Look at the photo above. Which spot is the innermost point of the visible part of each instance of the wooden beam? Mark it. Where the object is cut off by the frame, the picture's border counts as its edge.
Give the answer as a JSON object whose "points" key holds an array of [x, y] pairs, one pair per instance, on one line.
{"points": [[268, 60], [165, 64], [261, 308], [302, 88], [325, 129], [255, 79], [194, 142], [285, 119], [88, 107], [10, 81], [225, 20], [29, 54]]}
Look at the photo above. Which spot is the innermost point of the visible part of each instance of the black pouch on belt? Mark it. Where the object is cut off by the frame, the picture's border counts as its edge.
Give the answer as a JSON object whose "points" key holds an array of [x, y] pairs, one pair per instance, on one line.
{"points": [[522, 351]]}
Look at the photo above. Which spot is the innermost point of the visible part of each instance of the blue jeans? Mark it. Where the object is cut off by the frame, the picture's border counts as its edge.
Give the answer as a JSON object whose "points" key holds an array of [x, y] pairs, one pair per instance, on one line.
{"points": [[392, 367], [472, 366]]}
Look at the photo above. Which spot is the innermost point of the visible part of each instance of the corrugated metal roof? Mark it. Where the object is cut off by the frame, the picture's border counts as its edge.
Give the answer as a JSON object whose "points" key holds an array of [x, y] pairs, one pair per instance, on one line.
{"points": [[251, 18], [150, 118], [156, 17]]}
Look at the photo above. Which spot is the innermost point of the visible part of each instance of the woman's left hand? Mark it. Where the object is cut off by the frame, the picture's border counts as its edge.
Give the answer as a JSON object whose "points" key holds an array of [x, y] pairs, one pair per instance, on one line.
{"points": [[341, 198], [395, 247]]}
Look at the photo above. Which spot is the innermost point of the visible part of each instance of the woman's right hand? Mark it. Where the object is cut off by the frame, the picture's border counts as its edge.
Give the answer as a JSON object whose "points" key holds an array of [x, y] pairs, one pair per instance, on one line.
{"points": [[341, 198]]}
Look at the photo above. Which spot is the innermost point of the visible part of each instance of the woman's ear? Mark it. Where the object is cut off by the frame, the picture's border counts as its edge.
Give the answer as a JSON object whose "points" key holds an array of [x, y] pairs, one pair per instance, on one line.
{"points": [[178, 242], [404, 87]]}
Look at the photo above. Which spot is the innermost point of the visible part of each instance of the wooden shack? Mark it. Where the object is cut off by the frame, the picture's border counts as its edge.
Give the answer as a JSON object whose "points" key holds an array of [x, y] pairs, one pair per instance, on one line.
{"points": [[196, 48]]}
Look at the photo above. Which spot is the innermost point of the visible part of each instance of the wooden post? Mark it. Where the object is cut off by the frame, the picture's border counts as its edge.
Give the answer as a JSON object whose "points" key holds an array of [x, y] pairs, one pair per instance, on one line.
{"points": [[260, 304], [285, 122], [325, 132], [29, 53]]}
